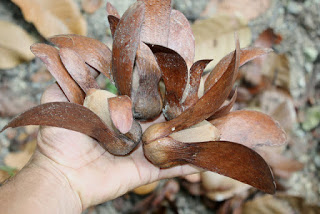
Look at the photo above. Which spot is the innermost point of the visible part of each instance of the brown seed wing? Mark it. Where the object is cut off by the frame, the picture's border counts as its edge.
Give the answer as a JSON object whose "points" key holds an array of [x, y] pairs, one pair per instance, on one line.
{"points": [[174, 74], [251, 128], [94, 52], [225, 109], [111, 10], [246, 55], [120, 109], [50, 57], [181, 37], [78, 69], [235, 161], [125, 45], [113, 22], [77, 118], [194, 83], [204, 108], [145, 92], [155, 29]]}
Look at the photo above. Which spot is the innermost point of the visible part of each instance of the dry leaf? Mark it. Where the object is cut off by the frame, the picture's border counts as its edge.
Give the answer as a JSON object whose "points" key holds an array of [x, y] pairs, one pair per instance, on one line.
{"points": [[42, 75], [19, 159], [91, 6], [53, 17], [220, 188], [249, 9], [15, 45], [10, 107], [214, 37], [146, 189], [4, 175], [280, 204], [9, 59]]}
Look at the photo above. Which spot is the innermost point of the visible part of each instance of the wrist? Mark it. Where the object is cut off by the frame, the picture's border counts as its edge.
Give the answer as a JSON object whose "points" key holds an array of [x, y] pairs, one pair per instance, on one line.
{"points": [[40, 188]]}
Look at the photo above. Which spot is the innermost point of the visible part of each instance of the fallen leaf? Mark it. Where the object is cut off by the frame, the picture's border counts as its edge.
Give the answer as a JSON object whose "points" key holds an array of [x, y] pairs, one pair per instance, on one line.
{"points": [[91, 6], [214, 37], [15, 45], [9, 59], [280, 204], [53, 17], [267, 39], [42, 75], [279, 104], [146, 189], [10, 107], [19, 159], [3, 176], [249, 9], [220, 188]]}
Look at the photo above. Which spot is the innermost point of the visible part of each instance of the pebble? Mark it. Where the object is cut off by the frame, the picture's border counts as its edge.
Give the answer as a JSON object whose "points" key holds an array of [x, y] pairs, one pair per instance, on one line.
{"points": [[294, 7], [310, 54]]}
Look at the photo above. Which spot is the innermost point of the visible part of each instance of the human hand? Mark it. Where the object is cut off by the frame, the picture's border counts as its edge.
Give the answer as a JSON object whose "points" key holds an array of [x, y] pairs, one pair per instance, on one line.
{"points": [[94, 174]]}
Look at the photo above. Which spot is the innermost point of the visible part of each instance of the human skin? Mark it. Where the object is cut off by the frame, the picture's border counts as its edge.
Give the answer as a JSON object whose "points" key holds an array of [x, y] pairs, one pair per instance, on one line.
{"points": [[70, 172]]}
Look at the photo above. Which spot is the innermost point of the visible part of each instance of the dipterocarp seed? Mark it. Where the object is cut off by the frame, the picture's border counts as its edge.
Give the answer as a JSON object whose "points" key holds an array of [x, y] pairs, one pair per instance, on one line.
{"points": [[153, 46]]}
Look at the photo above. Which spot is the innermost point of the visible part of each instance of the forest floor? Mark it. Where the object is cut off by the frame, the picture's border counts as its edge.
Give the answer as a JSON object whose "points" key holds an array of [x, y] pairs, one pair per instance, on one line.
{"points": [[298, 23]]}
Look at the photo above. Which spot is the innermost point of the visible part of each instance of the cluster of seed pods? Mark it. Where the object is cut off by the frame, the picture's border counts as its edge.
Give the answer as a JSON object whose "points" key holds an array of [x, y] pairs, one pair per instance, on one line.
{"points": [[154, 44]]}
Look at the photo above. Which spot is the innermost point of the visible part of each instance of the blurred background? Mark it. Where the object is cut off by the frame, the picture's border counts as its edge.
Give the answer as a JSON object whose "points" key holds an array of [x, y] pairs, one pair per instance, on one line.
{"points": [[285, 84]]}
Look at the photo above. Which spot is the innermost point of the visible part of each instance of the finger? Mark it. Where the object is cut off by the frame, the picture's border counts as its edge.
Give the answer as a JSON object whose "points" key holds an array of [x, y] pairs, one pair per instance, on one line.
{"points": [[179, 171], [53, 94]]}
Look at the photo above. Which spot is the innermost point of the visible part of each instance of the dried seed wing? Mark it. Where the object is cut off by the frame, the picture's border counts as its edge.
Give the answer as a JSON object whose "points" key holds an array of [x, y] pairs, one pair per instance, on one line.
{"points": [[111, 10], [204, 108], [227, 158], [146, 97], [95, 53], [225, 109], [125, 45], [238, 126], [120, 109], [50, 57], [78, 69], [242, 163], [181, 37], [175, 76], [77, 118], [191, 94], [113, 22], [156, 27], [246, 55]]}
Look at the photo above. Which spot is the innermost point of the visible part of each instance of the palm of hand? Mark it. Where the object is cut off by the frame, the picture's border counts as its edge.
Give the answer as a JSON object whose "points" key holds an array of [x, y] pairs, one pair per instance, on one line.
{"points": [[92, 172]]}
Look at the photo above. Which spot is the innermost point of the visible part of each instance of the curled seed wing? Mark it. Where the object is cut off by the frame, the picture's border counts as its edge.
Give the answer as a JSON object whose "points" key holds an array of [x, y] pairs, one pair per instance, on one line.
{"points": [[225, 109], [94, 52], [77, 118], [238, 126], [50, 57], [125, 45], [78, 69]]}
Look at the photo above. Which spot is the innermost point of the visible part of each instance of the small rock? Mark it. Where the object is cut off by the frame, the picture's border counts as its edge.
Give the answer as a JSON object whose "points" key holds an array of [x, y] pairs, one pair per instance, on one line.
{"points": [[310, 54], [294, 7]]}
